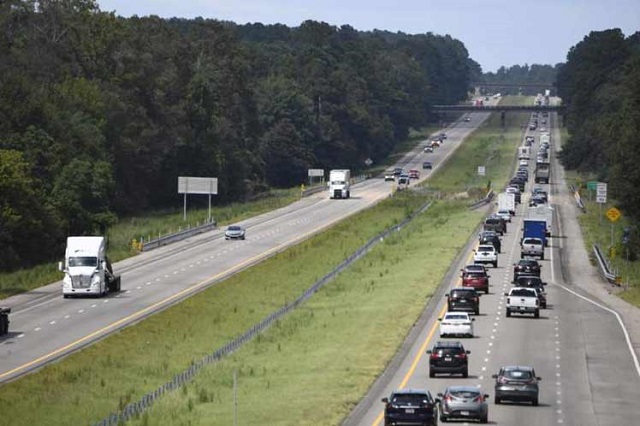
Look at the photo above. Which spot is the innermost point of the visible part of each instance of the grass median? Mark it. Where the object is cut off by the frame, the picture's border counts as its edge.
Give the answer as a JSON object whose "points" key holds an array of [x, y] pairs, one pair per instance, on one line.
{"points": [[313, 366]]}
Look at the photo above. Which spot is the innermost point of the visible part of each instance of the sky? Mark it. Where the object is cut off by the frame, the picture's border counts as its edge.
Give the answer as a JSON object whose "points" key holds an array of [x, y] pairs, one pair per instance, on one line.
{"points": [[496, 32]]}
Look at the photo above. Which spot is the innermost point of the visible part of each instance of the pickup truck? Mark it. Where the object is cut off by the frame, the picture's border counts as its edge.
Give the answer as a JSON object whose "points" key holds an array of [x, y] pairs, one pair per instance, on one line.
{"points": [[4, 320], [486, 253], [523, 300], [532, 247]]}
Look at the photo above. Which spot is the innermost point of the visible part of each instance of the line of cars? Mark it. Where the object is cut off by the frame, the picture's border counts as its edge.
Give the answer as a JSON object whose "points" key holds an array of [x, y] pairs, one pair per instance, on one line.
{"points": [[512, 382]]}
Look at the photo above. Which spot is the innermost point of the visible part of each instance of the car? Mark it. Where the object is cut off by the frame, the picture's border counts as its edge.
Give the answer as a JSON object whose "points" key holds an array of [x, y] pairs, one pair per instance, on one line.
{"points": [[448, 358], [543, 129], [486, 253], [490, 237], [403, 181], [504, 214], [532, 126], [532, 281], [496, 224], [389, 176], [467, 119], [414, 174], [520, 181], [410, 406], [234, 232], [464, 403], [463, 299], [541, 192], [443, 136], [526, 267], [529, 140], [515, 190], [427, 165], [456, 324], [398, 171], [477, 279], [523, 162], [516, 383], [428, 148], [537, 200], [435, 142]]}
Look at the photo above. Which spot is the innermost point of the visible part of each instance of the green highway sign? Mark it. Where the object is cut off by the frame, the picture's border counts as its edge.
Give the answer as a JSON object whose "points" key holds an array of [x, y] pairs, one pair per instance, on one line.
{"points": [[592, 185]]}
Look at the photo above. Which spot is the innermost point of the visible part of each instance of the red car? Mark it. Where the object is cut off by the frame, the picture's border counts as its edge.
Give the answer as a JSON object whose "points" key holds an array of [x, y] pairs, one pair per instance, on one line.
{"points": [[414, 174], [475, 276]]}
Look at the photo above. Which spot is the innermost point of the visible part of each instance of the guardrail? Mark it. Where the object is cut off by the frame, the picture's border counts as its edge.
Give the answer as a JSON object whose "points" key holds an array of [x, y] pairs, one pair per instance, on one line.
{"points": [[137, 408], [178, 236], [578, 198], [604, 267], [486, 200]]}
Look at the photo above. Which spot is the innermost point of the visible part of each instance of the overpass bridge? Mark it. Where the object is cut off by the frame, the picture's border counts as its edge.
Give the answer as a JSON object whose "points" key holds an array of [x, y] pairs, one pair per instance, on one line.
{"points": [[497, 108]]}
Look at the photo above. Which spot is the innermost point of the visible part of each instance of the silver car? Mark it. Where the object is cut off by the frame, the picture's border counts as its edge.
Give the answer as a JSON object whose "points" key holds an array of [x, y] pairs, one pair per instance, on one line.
{"points": [[234, 232], [464, 402]]}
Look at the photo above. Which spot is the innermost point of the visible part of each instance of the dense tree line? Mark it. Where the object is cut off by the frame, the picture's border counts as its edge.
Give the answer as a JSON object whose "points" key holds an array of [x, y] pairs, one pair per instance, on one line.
{"points": [[600, 87], [99, 114], [522, 74]]}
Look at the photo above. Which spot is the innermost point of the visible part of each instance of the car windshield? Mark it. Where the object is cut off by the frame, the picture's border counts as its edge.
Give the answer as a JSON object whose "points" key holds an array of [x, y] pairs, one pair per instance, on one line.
{"points": [[528, 262], [456, 317], [485, 248], [234, 228], [409, 399], [522, 292], [532, 241], [83, 261], [475, 275], [517, 374], [464, 393], [463, 293]]}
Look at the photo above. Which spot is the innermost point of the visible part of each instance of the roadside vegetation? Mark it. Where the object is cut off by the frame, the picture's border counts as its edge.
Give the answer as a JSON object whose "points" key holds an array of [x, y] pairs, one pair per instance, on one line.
{"points": [[316, 363]]}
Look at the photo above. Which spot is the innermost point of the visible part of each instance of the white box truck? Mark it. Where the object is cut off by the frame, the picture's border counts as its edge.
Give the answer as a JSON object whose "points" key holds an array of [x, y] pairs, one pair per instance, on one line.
{"points": [[507, 201], [340, 183], [87, 271]]}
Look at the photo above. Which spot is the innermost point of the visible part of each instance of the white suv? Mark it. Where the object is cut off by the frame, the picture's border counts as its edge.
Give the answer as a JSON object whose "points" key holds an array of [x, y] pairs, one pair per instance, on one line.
{"points": [[486, 253]]}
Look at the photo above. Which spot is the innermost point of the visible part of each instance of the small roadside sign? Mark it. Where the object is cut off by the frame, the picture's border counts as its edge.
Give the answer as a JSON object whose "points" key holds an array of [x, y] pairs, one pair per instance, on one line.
{"points": [[601, 199], [481, 171], [613, 214], [601, 193], [368, 162], [592, 185]]}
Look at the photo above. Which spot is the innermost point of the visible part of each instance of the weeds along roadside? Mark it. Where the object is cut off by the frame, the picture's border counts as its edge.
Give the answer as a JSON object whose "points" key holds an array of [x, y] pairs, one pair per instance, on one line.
{"points": [[94, 382]]}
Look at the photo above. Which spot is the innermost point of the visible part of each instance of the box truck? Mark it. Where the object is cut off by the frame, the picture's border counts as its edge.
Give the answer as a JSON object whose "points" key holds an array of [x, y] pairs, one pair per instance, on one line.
{"points": [[87, 271], [507, 201]]}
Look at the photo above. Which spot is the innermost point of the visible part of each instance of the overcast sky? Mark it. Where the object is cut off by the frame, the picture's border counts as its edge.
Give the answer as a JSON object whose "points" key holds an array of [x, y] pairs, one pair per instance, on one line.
{"points": [[496, 32]]}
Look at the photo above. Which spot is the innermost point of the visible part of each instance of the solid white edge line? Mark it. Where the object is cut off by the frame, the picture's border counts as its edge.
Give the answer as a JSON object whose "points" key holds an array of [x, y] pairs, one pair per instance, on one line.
{"points": [[624, 329]]}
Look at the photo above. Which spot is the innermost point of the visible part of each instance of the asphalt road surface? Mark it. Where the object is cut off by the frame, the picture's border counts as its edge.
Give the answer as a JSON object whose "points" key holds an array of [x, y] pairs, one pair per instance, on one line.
{"points": [[577, 346], [45, 327]]}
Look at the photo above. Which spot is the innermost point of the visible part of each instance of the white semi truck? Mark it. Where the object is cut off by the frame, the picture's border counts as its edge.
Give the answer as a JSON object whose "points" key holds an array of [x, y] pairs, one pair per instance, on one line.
{"points": [[87, 271], [340, 183], [507, 202]]}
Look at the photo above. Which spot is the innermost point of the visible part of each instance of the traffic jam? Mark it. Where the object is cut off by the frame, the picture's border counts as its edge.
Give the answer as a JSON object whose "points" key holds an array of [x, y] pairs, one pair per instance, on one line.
{"points": [[525, 201]]}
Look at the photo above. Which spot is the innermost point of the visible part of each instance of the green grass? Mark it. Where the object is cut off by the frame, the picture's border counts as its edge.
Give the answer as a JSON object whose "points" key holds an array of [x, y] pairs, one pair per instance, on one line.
{"points": [[316, 363], [596, 229], [121, 235]]}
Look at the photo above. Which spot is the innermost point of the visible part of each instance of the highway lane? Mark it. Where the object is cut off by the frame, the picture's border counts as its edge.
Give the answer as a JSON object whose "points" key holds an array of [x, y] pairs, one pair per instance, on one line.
{"points": [[45, 327], [579, 349]]}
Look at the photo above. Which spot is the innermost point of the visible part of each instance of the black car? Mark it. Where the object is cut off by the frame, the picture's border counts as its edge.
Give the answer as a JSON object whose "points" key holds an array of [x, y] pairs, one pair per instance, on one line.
{"points": [[463, 299], [427, 165], [398, 171], [410, 406], [534, 282], [526, 267], [517, 383], [537, 200], [448, 358], [541, 193], [520, 181], [491, 237]]}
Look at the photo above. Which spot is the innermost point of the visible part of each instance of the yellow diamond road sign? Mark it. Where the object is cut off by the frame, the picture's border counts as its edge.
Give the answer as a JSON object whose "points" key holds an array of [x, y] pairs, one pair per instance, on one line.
{"points": [[613, 214]]}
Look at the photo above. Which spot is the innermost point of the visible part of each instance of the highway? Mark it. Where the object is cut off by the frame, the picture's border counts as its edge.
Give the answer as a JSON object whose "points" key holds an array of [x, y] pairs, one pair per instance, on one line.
{"points": [[45, 327], [578, 348]]}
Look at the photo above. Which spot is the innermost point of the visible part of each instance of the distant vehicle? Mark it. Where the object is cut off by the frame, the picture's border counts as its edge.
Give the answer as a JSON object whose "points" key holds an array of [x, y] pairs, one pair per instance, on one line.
{"points": [[463, 403], [448, 358], [532, 247], [414, 174], [428, 148], [507, 201], [516, 383], [524, 153], [435, 143], [234, 232], [522, 300], [467, 119], [463, 299], [515, 190], [443, 136], [427, 165], [389, 176], [541, 192], [504, 214], [403, 182], [410, 406], [532, 126], [398, 171], [87, 271], [526, 267], [496, 224], [340, 183], [486, 253], [542, 171], [456, 324], [491, 237], [536, 228], [4, 320]]}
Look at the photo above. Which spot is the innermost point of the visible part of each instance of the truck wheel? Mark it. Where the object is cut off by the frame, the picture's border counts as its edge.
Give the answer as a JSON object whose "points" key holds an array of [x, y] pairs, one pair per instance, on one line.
{"points": [[477, 312], [348, 194], [432, 374], [508, 312], [495, 264], [542, 256], [536, 314]]}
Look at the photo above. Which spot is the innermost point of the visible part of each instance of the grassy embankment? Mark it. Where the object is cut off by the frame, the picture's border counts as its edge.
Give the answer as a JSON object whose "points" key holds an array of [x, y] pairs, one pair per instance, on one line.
{"points": [[315, 364], [596, 229]]}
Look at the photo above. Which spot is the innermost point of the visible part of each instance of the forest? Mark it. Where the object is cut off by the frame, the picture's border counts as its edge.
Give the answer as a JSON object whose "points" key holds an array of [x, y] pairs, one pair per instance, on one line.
{"points": [[522, 74], [100, 114], [600, 88]]}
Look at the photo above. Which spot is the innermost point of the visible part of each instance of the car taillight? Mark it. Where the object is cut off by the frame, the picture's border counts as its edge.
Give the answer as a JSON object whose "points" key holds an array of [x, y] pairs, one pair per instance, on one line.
{"points": [[461, 356], [475, 299], [434, 356], [478, 398], [448, 398]]}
